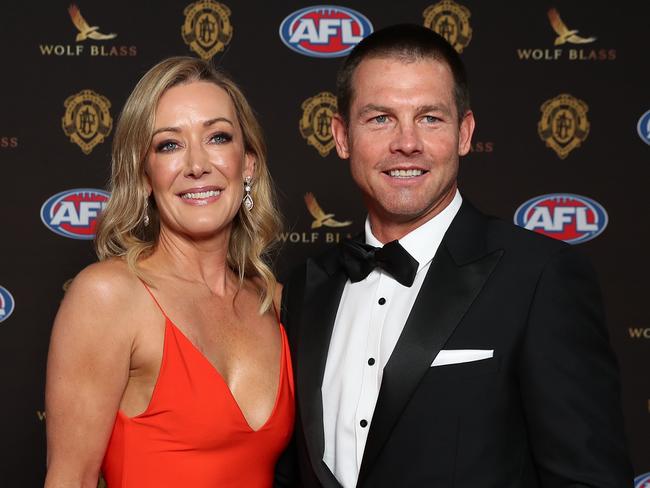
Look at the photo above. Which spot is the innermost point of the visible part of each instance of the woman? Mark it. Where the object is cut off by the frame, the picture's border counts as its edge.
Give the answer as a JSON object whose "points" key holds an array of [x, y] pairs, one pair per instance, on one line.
{"points": [[167, 363]]}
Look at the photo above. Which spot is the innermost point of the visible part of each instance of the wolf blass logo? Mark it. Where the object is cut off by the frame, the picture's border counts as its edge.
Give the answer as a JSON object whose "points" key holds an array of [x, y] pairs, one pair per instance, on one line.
{"points": [[85, 32], [639, 332], [566, 35], [313, 237], [321, 219]]}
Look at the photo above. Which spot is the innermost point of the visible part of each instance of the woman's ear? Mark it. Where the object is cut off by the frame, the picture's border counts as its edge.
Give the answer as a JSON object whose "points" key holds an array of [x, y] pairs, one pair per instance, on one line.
{"points": [[249, 165]]}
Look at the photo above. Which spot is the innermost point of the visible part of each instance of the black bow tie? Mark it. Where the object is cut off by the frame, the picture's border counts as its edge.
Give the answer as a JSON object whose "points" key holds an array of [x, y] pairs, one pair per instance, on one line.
{"points": [[360, 259]]}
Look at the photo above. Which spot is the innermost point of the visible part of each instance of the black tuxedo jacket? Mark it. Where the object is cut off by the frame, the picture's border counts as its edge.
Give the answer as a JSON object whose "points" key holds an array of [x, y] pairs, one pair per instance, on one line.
{"points": [[543, 412]]}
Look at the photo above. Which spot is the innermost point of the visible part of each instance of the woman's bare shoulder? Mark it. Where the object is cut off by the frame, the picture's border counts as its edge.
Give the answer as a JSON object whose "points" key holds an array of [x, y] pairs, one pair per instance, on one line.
{"points": [[105, 288], [106, 277]]}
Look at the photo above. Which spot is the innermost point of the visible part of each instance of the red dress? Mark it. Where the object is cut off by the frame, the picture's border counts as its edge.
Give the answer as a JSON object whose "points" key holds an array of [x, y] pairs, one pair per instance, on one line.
{"points": [[193, 433]]}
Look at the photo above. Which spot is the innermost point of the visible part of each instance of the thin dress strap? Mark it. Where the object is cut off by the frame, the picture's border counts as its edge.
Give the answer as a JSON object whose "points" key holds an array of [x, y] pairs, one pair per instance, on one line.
{"points": [[277, 314], [153, 297]]}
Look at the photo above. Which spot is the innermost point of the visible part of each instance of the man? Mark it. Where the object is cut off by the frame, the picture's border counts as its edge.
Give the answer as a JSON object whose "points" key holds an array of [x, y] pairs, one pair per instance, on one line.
{"points": [[481, 358]]}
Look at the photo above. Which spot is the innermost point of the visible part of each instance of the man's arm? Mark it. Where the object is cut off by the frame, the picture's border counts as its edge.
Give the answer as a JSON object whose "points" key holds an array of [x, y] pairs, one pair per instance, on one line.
{"points": [[569, 381]]}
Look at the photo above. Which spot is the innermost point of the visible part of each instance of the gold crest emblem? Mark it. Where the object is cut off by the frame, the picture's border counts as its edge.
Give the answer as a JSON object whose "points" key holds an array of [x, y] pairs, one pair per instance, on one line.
{"points": [[320, 217], [207, 29], [564, 125], [451, 21], [87, 120], [317, 113]]}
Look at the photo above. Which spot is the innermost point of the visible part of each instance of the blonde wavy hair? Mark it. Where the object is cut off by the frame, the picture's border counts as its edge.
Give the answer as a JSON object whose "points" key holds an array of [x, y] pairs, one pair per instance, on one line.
{"points": [[121, 231]]}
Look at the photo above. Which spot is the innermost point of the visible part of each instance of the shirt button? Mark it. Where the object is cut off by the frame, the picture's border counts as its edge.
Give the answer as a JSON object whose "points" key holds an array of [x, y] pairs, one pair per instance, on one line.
{"points": [[371, 361], [381, 301], [363, 423]]}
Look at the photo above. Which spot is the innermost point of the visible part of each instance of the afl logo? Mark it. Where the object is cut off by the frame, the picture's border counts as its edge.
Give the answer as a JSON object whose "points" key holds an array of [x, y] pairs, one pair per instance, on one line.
{"points": [[643, 127], [570, 218], [73, 213], [324, 31], [6, 304], [642, 481]]}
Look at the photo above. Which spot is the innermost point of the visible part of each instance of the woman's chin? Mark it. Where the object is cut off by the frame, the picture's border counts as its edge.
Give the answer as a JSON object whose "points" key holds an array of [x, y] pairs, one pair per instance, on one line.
{"points": [[207, 231]]}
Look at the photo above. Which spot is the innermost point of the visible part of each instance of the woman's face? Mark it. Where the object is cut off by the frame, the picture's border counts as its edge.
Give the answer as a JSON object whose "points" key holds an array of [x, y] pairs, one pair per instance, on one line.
{"points": [[196, 163]]}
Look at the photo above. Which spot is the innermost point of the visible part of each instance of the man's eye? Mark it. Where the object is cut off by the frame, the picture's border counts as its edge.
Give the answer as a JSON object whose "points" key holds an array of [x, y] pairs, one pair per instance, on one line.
{"points": [[380, 119], [431, 119], [221, 138]]}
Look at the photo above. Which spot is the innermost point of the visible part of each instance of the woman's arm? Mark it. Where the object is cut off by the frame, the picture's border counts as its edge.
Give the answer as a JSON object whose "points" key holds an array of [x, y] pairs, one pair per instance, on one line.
{"points": [[87, 372]]}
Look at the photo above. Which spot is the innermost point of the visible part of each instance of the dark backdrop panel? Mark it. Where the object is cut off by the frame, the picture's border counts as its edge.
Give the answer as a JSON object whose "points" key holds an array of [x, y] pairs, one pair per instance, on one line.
{"points": [[514, 67]]}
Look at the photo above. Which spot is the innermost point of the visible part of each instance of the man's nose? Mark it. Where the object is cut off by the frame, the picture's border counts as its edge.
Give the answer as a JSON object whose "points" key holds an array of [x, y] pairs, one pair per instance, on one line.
{"points": [[406, 140]]}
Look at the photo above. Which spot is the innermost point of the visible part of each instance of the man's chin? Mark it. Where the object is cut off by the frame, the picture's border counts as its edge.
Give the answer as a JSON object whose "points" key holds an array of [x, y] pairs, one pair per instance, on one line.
{"points": [[400, 213], [406, 211]]}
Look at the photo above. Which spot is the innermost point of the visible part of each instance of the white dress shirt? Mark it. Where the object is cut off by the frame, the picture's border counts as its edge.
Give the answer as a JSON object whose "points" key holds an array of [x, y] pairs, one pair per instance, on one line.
{"points": [[369, 321]]}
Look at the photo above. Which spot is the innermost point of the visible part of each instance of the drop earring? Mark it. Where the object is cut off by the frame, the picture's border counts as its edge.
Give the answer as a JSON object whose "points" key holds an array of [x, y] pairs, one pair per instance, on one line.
{"points": [[145, 219], [248, 200]]}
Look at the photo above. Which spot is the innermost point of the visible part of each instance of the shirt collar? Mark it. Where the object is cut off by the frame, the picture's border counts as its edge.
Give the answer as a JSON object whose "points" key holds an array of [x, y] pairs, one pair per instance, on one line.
{"points": [[422, 243]]}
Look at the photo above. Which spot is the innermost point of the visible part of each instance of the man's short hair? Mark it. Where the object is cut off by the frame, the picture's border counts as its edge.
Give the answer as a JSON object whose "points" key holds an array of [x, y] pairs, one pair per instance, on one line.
{"points": [[409, 42]]}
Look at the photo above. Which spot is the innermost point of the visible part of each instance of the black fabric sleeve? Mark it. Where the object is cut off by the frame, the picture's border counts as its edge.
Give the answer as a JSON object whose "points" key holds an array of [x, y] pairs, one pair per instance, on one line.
{"points": [[569, 381]]}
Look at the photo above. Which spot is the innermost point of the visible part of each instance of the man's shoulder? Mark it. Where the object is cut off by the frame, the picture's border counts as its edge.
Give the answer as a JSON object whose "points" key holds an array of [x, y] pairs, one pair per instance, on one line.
{"points": [[490, 233], [513, 236], [326, 260], [314, 269]]}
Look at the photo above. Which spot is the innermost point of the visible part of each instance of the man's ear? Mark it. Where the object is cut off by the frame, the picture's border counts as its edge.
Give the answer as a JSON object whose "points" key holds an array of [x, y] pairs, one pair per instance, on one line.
{"points": [[340, 134], [465, 132]]}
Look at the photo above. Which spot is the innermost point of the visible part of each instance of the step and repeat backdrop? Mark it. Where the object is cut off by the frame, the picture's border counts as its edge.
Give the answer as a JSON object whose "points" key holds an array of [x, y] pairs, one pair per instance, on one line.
{"points": [[562, 147]]}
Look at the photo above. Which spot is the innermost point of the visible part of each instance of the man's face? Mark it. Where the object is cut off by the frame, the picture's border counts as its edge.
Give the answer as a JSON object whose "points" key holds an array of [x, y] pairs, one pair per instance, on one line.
{"points": [[403, 138]]}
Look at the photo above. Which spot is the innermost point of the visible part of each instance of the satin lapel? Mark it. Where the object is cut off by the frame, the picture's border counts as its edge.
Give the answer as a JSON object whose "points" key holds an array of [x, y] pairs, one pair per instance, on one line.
{"points": [[323, 290], [447, 292]]}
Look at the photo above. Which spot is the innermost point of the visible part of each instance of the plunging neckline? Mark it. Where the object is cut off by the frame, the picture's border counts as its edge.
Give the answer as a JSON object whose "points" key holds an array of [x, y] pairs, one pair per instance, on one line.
{"points": [[194, 432], [169, 322], [220, 377]]}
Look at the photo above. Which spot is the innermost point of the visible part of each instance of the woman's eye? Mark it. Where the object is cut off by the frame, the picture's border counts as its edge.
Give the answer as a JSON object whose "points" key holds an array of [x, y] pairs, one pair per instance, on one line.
{"points": [[166, 146], [221, 138]]}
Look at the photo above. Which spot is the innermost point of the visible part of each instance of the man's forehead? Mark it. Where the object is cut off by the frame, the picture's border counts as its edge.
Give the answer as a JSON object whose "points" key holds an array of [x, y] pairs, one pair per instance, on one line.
{"points": [[392, 75], [375, 61]]}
